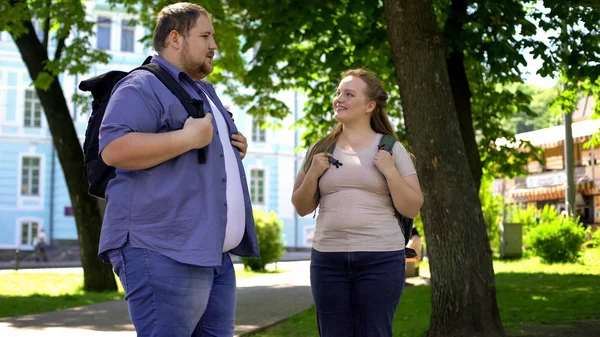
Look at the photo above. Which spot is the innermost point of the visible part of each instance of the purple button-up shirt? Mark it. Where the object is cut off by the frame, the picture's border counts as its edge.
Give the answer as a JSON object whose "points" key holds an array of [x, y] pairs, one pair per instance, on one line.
{"points": [[178, 208]]}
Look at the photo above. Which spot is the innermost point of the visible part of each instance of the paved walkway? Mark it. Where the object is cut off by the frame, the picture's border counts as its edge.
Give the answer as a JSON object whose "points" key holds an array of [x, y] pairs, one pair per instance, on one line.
{"points": [[261, 301], [29, 263]]}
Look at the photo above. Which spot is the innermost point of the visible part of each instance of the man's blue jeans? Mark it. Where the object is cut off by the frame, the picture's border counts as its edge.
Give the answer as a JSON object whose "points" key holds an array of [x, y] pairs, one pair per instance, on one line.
{"points": [[356, 293], [167, 298]]}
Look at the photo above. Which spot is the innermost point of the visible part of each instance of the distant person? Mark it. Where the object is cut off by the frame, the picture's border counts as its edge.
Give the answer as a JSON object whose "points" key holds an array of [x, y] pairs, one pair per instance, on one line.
{"points": [[40, 246]]}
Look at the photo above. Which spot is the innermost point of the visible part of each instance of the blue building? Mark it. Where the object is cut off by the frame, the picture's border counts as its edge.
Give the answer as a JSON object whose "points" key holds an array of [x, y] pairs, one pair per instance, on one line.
{"points": [[33, 192]]}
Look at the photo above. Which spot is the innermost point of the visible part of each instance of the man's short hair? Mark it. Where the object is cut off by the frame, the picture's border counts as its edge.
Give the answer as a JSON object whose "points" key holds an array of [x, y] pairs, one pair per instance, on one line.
{"points": [[180, 17]]}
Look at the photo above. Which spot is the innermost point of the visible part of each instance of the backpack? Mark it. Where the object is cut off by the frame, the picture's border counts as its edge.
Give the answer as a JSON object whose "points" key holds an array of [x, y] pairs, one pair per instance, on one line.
{"points": [[406, 224], [96, 171]]}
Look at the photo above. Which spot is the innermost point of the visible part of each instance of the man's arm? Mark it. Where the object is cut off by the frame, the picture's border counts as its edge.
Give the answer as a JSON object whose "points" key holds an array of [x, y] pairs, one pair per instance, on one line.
{"points": [[128, 135], [138, 151]]}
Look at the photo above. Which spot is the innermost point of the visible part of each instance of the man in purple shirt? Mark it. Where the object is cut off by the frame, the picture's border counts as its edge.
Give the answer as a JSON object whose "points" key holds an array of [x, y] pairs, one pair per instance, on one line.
{"points": [[170, 221]]}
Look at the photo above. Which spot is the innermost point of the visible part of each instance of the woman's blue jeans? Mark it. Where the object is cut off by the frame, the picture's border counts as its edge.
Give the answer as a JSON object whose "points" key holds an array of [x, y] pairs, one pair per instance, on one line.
{"points": [[356, 293]]}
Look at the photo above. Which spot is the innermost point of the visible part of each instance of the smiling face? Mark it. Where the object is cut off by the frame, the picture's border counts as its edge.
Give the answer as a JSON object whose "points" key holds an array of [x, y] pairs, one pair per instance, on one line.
{"points": [[199, 49], [351, 104]]}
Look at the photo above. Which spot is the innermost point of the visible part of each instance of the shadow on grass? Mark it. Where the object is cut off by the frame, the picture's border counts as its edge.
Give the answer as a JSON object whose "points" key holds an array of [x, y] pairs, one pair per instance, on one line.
{"points": [[546, 298], [86, 310], [524, 299]]}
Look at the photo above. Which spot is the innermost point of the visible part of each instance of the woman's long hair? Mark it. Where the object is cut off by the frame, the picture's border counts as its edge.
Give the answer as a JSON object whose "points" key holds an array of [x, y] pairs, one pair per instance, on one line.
{"points": [[380, 122]]}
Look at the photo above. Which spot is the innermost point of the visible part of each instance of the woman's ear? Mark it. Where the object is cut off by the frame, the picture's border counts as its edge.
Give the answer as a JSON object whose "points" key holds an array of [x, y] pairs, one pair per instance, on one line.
{"points": [[371, 106]]}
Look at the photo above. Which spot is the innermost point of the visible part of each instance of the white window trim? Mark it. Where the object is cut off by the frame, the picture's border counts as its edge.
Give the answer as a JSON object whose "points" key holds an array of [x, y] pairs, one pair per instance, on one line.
{"points": [[262, 206], [41, 132], [21, 199], [113, 32], [133, 29], [18, 232], [21, 86], [252, 120], [36, 99]]}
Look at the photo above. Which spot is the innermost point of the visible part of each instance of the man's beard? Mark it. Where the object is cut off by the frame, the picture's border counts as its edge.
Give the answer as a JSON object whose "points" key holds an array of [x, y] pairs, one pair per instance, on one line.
{"points": [[196, 70]]}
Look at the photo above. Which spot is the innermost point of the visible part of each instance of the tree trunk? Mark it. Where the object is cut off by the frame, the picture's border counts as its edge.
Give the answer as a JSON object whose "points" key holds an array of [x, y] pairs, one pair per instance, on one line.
{"points": [[461, 92], [462, 282], [98, 276]]}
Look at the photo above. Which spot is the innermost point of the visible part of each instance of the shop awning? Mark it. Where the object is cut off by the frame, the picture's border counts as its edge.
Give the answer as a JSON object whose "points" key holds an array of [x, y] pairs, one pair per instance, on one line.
{"points": [[550, 192], [554, 136]]}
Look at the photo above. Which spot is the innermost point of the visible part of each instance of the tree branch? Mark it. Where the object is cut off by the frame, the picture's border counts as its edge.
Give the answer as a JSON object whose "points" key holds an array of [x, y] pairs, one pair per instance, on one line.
{"points": [[59, 48], [47, 27]]}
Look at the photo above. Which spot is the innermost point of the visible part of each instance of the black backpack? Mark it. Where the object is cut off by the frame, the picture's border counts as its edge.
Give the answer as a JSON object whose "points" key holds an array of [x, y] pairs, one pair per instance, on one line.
{"points": [[96, 171], [406, 224]]}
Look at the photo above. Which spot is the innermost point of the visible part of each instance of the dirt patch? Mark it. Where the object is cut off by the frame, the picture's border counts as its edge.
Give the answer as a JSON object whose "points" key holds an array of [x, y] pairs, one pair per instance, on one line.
{"points": [[588, 328]]}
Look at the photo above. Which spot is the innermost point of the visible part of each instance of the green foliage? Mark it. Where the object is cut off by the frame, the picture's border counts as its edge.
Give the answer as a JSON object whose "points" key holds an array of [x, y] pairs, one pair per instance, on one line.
{"points": [[559, 240], [418, 224], [269, 233], [530, 218], [491, 207], [64, 31], [542, 113], [228, 63], [594, 240], [306, 45]]}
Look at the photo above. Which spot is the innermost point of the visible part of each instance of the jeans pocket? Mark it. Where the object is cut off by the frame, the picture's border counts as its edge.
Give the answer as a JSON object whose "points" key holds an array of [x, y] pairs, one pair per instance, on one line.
{"points": [[118, 262]]}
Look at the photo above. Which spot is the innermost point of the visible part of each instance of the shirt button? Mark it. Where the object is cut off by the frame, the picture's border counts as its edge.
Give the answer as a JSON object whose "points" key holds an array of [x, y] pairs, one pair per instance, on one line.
{"points": [[225, 204], [221, 155], [223, 180]]}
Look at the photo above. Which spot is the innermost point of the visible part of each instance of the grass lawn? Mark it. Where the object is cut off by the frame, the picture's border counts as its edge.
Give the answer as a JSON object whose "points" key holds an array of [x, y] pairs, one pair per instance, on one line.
{"points": [[30, 291], [25, 292], [527, 292]]}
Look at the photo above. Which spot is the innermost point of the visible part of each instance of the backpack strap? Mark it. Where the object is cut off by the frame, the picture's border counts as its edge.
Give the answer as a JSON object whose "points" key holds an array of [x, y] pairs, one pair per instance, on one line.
{"points": [[387, 143], [406, 224], [194, 107]]}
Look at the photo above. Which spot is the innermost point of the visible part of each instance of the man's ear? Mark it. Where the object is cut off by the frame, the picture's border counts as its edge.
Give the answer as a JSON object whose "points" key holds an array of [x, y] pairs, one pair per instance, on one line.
{"points": [[175, 39]]}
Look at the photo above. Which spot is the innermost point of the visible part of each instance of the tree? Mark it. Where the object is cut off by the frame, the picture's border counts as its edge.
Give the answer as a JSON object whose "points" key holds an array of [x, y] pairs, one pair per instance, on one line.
{"points": [[57, 21], [545, 113], [462, 278]]}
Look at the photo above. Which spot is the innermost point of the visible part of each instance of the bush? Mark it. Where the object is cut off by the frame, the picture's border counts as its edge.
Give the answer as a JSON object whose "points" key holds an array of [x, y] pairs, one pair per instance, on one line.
{"points": [[558, 240], [530, 218], [594, 240], [269, 232], [491, 207]]}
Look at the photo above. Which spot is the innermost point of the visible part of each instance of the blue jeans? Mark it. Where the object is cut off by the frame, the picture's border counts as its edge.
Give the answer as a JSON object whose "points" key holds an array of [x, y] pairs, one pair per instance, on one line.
{"points": [[356, 293], [169, 298]]}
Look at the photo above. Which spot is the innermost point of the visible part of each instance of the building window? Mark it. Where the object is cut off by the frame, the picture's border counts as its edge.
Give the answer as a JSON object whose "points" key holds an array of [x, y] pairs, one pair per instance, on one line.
{"points": [[127, 36], [104, 24], [257, 186], [30, 176], [33, 110], [258, 134], [29, 230]]}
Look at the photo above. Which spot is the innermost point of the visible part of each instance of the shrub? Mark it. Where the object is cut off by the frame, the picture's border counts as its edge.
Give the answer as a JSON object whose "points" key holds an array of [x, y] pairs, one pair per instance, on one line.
{"points": [[491, 207], [558, 240], [530, 218], [269, 232], [594, 240]]}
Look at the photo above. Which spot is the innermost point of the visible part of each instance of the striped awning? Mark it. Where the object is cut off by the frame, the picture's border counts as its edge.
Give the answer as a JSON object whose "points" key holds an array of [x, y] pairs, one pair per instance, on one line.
{"points": [[551, 192], [554, 136]]}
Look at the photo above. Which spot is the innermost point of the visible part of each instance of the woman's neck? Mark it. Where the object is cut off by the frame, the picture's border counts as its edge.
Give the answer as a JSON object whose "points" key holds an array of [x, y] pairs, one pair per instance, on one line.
{"points": [[357, 134]]}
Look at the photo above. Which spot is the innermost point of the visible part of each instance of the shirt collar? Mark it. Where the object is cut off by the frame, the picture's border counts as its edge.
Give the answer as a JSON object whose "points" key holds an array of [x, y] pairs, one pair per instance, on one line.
{"points": [[175, 72]]}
